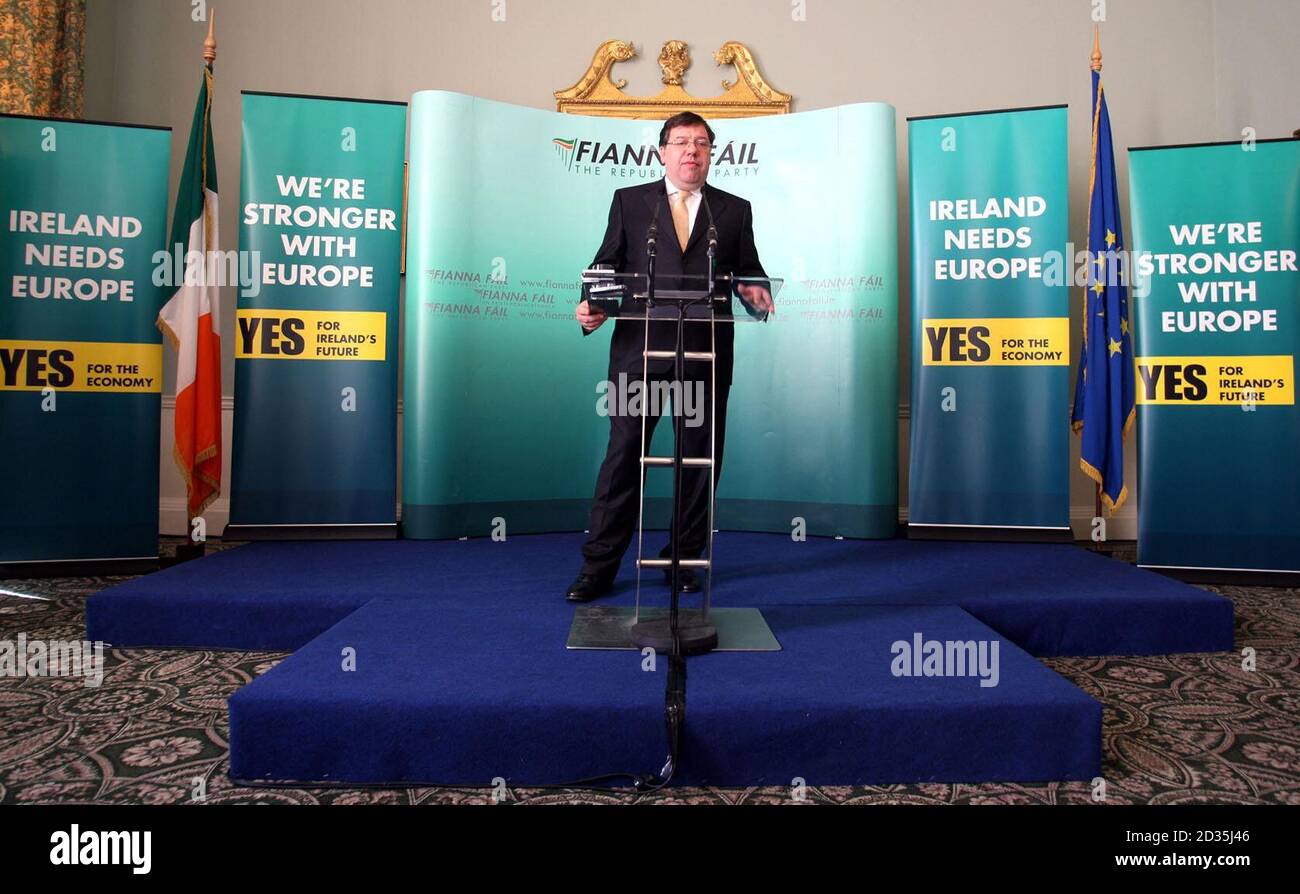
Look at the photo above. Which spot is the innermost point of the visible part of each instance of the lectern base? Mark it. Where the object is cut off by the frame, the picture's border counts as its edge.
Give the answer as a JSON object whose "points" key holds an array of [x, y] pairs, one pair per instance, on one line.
{"points": [[612, 627], [695, 636]]}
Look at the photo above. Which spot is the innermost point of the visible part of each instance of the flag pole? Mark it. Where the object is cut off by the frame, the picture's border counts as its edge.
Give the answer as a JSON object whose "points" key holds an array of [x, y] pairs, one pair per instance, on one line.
{"points": [[191, 550], [210, 42], [1096, 66]]}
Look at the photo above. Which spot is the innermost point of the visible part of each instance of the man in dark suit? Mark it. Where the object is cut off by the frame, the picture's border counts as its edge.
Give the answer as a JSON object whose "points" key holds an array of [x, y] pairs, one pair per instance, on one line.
{"points": [[683, 204]]}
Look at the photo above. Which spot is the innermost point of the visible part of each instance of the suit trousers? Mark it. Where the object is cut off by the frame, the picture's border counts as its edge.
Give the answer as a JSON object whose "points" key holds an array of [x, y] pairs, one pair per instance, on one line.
{"points": [[615, 505]]}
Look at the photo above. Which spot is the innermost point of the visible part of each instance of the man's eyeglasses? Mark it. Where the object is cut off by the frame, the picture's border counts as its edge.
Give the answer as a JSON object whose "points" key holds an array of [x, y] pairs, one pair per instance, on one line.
{"points": [[701, 143]]}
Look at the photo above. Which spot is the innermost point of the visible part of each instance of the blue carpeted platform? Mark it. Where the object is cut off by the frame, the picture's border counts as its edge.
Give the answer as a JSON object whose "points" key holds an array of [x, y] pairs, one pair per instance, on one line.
{"points": [[453, 694], [462, 675], [1051, 600]]}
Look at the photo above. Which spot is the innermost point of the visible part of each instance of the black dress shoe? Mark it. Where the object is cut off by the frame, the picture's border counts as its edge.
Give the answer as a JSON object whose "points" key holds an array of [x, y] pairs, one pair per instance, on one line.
{"points": [[687, 582], [588, 587]]}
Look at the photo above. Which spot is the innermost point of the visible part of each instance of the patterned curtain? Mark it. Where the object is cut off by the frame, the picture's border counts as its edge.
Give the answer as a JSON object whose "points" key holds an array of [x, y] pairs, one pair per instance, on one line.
{"points": [[42, 65]]}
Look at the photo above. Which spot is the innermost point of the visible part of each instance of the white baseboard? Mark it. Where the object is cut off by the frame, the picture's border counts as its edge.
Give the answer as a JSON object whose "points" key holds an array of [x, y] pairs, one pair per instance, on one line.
{"points": [[1122, 527]]}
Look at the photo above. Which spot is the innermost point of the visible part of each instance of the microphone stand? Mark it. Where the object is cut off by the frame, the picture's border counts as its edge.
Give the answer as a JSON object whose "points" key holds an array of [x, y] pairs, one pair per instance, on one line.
{"points": [[675, 692], [675, 689], [674, 639]]}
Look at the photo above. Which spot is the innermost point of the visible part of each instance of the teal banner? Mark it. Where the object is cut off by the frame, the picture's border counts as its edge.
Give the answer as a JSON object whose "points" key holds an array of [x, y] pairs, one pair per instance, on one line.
{"points": [[315, 440], [84, 210], [1216, 229], [990, 322], [502, 427]]}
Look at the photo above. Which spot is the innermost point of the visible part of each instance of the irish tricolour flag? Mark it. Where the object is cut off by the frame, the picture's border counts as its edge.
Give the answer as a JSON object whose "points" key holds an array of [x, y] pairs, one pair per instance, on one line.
{"points": [[190, 318]]}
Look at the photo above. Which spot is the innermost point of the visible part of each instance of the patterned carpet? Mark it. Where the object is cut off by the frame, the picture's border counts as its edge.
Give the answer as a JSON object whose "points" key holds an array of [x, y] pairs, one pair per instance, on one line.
{"points": [[1177, 729]]}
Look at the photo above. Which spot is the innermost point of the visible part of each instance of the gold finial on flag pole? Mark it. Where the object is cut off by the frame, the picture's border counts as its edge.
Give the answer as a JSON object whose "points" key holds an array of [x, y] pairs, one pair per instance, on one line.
{"points": [[210, 43], [1096, 48]]}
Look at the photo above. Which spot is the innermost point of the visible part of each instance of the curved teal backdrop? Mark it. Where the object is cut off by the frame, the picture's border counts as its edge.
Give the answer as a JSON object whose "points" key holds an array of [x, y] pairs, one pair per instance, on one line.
{"points": [[508, 205]]}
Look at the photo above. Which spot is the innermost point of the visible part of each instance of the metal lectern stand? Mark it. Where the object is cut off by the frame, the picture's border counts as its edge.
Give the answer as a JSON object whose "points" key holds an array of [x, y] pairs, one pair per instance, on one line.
{"points": [[693, 633], [688, 631]]}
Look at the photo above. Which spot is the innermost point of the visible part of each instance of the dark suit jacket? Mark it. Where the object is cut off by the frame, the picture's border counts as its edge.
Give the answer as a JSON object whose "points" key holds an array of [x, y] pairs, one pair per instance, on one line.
{"points": [[623, 249]]}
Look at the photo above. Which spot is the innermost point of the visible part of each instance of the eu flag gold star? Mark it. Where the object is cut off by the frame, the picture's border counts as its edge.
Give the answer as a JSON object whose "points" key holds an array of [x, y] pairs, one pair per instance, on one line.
{"points": [[1115, 347], [1123, 326], [1110, 239], [1098, 288]]}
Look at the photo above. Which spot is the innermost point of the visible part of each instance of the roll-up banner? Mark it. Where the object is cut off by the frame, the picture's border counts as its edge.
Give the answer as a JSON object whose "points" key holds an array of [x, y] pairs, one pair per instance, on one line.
{"points": [[315, 437], [84, 210], [1216, 229], [990, 325], [501, 426]]}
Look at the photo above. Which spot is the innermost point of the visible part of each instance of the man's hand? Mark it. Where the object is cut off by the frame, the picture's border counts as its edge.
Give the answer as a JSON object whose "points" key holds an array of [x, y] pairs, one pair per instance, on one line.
{"points": [[589, 319], [757, 297]]}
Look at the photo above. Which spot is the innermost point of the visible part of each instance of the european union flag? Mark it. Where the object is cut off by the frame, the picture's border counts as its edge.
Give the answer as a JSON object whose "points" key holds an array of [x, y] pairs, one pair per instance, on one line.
{"points": [[1103, 395]]}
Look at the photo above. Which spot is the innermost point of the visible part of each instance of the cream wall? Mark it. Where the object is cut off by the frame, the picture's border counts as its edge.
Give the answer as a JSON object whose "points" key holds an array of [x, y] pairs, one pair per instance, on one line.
{"points": [[1176, 70]]}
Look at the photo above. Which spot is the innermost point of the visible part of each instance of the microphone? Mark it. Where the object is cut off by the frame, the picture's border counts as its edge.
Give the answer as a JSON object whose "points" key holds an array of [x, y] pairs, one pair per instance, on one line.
{"points": [[652, 234], [651, 238], [712, 234]]}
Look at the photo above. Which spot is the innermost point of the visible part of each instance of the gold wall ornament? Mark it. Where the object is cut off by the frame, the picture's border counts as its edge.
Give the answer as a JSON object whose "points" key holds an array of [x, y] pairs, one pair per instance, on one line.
{"points": [[596, 93], [674, 60]]}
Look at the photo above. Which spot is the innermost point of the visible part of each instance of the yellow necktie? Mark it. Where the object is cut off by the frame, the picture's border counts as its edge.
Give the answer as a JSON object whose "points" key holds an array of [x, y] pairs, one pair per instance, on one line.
{"points": [[681, 218]]}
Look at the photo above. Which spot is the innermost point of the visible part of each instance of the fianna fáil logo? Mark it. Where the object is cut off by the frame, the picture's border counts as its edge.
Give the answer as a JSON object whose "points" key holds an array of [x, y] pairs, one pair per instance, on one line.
{"points": [[640, 161], [564, 149]]}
